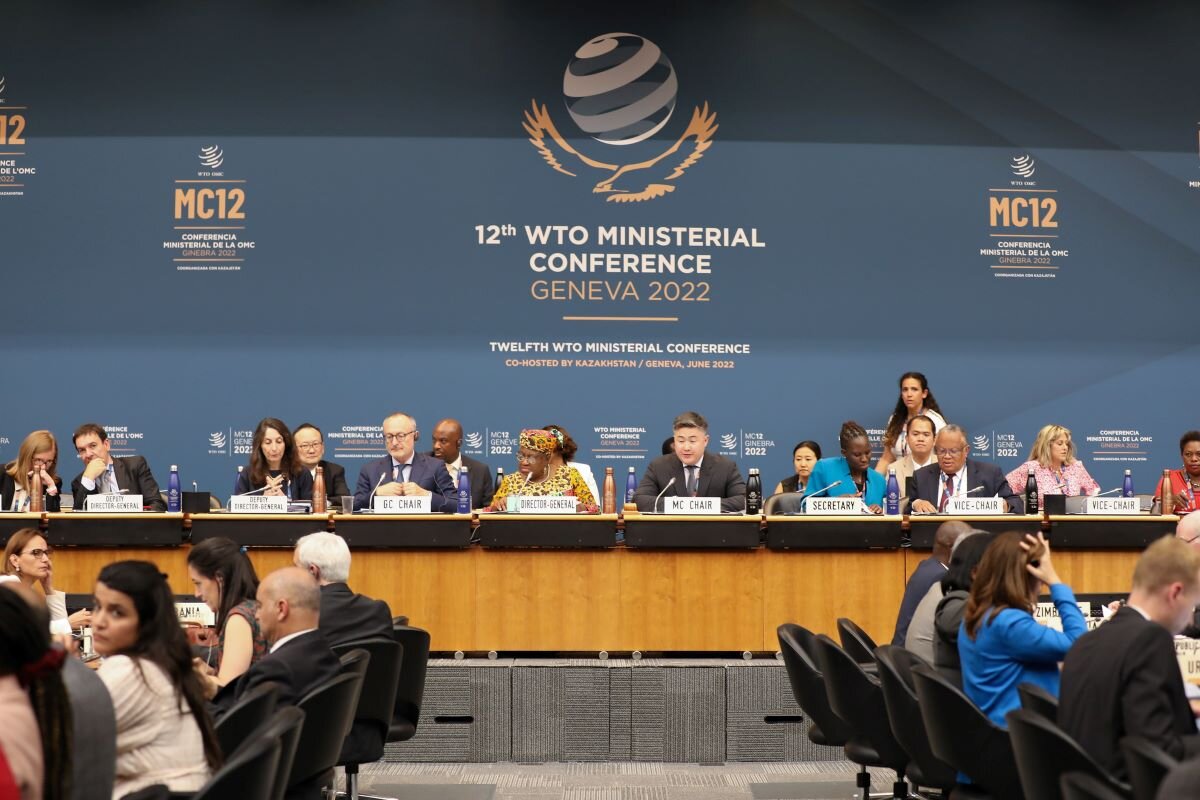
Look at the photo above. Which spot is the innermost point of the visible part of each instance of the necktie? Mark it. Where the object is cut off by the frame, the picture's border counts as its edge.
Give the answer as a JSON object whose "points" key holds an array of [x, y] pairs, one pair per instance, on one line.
{"points": [[692, 483], [397, 472], [947, 492]]}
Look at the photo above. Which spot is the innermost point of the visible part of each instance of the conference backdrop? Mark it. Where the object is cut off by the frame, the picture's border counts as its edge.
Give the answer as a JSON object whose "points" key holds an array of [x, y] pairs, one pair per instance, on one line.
{"points": [[598, 215]]}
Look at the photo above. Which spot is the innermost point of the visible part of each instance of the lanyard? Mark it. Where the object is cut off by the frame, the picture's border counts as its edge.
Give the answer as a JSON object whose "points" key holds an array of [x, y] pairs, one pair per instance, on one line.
{"points": [[1187, 487]]}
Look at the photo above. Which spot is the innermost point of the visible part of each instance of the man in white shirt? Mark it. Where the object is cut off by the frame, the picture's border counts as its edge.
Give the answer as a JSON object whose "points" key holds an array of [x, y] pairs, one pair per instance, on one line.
{"points": [[447, 445], [104, 474]]}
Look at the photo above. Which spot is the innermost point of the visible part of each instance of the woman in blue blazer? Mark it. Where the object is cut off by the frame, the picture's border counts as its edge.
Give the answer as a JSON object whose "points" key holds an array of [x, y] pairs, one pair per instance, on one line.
{"points": [[852, 468]]}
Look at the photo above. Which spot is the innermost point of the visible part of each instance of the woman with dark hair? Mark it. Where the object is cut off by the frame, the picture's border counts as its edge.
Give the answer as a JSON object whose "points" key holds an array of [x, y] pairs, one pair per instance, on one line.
{"points": [[38, 452], [851, 470], [564, 455], [915, 399], [1000, 644], [225, 580], [27, 558], [274, 468], [955, 589], [804, 457], [35, 734], [1185, 482], [164, 732]]}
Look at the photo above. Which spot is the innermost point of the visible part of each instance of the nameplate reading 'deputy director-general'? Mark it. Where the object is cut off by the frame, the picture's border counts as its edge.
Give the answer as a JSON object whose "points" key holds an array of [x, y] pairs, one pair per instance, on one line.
{"points": [[401, 505], [1113, 505], [964, 506], [113, 503], [257, 504], [833, 505], [691, 505]]}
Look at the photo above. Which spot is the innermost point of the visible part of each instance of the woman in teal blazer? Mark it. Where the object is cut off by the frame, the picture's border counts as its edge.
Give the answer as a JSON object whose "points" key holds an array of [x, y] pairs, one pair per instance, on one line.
{"points": [[852, 468]]}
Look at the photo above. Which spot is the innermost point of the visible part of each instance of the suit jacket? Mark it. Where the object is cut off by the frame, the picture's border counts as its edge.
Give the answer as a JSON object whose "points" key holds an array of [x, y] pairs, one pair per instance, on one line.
{"points": [[335, 479], [483, 486], [927, 573], [719, 477], [133, 475], [8, 488], [350, 617], [1123, 679], [925, 484], [427, 472], [93, 732], [299, 666]]}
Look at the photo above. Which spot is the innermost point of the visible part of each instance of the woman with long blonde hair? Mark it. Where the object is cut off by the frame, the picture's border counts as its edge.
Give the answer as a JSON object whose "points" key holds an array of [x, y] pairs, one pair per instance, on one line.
{"points": [[38, 452], [1054, 465]]}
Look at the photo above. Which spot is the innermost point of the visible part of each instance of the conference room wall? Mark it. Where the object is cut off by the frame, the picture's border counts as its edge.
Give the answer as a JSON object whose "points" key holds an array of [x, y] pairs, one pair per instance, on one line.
{"points": [[860, 141]]}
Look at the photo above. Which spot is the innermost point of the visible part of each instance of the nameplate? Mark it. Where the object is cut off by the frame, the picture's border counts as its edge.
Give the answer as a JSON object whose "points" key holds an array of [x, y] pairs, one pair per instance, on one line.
{"points": [[195, 612], [1047, 614], [1113, 505], [401, 505], [1188, 653], [965, 506], [113, 503], [546, 504], [257, 504], [691, 505], [831, 506]]}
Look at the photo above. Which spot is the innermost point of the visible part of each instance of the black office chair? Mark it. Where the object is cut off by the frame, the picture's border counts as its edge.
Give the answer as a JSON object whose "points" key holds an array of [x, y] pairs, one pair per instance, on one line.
{"points": [[772, 504], [1045, 753], [244, 716], [354, 660], [410, 688], [858, 700], [856, 642], [328, 715], [1148, 764], [376, 703], [1082, 786], [1035, 698], [249, 774], [285, 725], [904, 714], [962, 736]]}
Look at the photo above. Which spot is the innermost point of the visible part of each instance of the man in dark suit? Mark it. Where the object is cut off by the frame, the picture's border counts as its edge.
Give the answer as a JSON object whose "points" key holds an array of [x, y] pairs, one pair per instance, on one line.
{"points": [[696, 473], [310, 448], [1123, 678], [403, 472], [345, 616], [954, 475], [447, 444], [103, 474], [927, 573], [300, 660]]}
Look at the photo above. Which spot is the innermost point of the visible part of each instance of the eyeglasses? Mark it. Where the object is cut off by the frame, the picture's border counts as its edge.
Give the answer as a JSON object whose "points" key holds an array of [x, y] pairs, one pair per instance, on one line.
{"points": [[525, 458], [312, 446], [948, 451], [39, 553], [398, 437], [1189, 541]]}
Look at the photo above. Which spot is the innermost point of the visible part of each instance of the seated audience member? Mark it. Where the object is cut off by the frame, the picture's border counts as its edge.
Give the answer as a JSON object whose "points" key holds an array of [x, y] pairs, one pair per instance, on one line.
{"points": [[300, 660], [695, 472], [948, 611], [668, 446], [1000, 643], [274, 469], [1185, 482], [164, 732], [27, 558], [919, 437], [565, 453], [915, 400], [1188, 531], [1054, 466], [804, 457], [851, 472], [35, 716], [104, 474], [310, 452], [345, 616], [404, 472], [535, 476], [447, 445], [955, 475], [37, 451], [927, 574], [225, 581], [1123, 678]]}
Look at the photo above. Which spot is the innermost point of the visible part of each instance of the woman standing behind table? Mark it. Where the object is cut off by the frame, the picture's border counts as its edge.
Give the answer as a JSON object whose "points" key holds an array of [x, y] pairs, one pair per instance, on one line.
{"points": [[274, 465], [1054, 466], [38, 452], [27, 557], [915, 399], [1185, 482], [564, 455], [804, 457], [225, 581]]}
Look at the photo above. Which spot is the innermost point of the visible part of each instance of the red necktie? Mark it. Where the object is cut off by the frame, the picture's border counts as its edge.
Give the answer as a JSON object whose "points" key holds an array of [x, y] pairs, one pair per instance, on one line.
{"points": [[947, 493]]}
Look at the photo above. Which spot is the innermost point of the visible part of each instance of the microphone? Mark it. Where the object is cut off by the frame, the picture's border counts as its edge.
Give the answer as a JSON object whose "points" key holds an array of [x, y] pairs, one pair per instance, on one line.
{"points": [[252, 491], [195, 487], [819, 491], [371, 496], [670, 483], [978, 489], [1110, 491]]}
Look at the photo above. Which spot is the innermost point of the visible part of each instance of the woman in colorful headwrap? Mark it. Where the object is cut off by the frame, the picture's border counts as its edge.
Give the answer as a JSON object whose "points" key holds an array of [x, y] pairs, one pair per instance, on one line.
{"points": [[535, 475]]}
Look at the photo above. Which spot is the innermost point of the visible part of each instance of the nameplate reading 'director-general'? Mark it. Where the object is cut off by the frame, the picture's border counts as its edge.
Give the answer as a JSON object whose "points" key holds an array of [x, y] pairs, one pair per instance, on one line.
{"points": [[546, 504], [965, 506], [691, 505], [113, 503], [401, 505], [1113, 505], [833, 506], [257, 504]]}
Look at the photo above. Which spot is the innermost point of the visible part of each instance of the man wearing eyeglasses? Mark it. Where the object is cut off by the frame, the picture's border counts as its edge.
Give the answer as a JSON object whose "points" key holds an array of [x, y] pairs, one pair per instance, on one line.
{"points": [[310, 449], [405, 472], [954, 475]]}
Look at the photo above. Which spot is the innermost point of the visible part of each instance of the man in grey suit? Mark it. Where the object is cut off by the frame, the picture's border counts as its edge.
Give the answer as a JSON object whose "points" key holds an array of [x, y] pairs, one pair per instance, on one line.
{"points": [[695, 472], [447, 445], [954, 475]]}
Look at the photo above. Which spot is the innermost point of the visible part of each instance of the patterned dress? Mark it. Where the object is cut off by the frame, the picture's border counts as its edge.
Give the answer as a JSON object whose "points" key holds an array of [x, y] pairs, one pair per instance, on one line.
{"points": [[245, 610], [563, 481]]}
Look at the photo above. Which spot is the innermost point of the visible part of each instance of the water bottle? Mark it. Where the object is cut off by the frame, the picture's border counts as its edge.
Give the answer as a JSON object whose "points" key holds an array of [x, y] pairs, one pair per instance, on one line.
{"points": [[754, 492], [318, 493], [893, 493], [630, 486], [1127, 486], [609, 492], [237, 481], [173, 496], [499, 477], [464, 491], [1031, 495], [1167, 505]]}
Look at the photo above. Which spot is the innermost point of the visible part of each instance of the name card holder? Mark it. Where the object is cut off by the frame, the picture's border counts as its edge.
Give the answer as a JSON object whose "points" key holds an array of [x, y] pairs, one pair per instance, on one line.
{"points": [[195, 612], [257, 504], [967, 506], [691, 505], [401, 505], [1113, 505], [113, 503], [543, 504], [1188, 653], [834, 506], [1047, 614]]}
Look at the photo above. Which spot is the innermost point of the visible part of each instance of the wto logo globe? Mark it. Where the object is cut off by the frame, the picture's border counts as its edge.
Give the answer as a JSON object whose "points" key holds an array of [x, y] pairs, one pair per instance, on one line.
{"points": [[620, 88]]}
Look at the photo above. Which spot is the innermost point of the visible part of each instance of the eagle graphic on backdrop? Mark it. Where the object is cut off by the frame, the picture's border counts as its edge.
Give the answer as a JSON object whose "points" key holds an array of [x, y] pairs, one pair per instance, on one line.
{"points": [[620, 88]]}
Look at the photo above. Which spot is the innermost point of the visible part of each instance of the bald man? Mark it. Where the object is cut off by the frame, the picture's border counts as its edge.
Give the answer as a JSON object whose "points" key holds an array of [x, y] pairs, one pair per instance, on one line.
{"points": [[447, 445], [927, 573], [289, 613]]}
